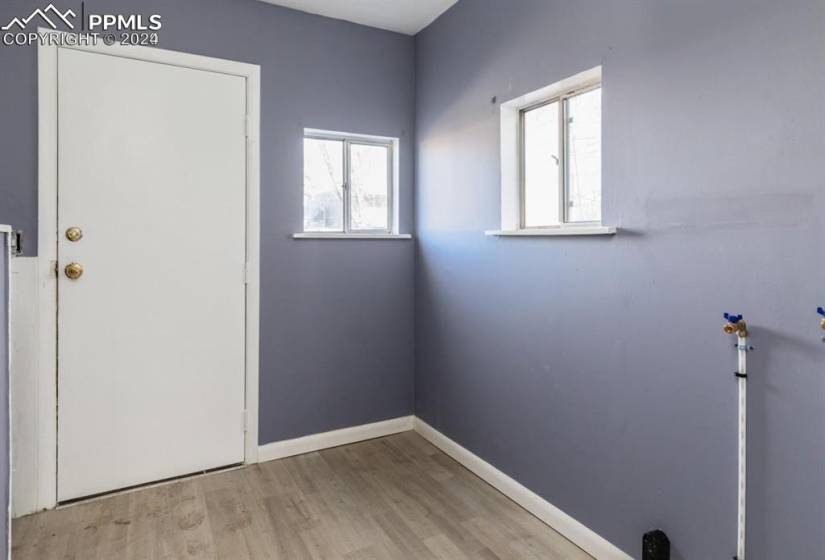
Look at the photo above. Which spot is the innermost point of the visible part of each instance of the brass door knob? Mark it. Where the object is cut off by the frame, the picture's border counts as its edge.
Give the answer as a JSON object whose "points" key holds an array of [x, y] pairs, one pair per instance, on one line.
{"points": [[74, 234], [73, 270]]}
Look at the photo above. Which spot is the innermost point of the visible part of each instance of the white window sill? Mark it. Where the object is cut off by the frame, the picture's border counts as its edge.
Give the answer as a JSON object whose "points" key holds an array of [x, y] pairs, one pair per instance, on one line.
{"points": [[555, 231], [322, 235]]}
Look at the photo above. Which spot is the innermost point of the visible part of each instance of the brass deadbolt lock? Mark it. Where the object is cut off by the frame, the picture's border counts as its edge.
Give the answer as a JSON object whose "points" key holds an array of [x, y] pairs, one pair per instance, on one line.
{"points": [[73, 271], [74, 234]]}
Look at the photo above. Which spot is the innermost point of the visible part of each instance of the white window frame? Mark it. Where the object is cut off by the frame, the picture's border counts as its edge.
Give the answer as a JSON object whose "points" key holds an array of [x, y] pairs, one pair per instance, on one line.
{"points": [[348, 139], [512, 159]]}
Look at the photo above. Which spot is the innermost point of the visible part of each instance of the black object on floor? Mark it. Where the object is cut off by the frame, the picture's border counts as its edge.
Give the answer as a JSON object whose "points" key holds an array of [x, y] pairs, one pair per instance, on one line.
{"points": [[655, 546]]}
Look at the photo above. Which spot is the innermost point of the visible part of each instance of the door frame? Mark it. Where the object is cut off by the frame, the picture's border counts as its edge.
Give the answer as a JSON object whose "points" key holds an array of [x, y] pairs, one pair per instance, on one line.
{"points": [[47, 240]]}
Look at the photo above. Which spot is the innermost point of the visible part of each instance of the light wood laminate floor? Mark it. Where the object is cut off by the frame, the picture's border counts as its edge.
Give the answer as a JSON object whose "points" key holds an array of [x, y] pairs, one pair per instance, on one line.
{"points": [[390, 498]]}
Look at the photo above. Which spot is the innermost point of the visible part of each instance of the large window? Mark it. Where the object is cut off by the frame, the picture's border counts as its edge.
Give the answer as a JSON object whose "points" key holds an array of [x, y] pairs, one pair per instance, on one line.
{"points": [[348, 184], [561, 160]]}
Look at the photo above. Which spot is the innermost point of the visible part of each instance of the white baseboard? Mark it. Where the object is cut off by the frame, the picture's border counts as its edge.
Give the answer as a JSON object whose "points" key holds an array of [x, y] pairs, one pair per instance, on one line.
{"points": [[574, 531], [325, 440]]}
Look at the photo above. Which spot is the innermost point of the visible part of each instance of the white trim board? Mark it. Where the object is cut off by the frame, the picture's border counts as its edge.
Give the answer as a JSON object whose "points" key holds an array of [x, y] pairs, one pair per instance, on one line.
{"points": [[558, 231], [335, 438], [24, 391], [5, 232], [578, 534], [45, 422], [367, 236]]}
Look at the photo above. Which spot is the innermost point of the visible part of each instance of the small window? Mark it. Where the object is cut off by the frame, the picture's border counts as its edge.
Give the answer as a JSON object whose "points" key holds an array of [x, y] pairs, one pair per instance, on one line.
{"points": [[560, 160], [551, 160], [348, 184]]}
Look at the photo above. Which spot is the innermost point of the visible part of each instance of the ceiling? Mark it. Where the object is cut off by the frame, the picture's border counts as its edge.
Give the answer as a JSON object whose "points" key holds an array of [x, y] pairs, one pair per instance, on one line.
{"points": [[403, 16]]}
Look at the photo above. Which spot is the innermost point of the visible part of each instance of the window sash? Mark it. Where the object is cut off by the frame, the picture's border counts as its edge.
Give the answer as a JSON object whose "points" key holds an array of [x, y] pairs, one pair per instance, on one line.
{"points": [[564, 137], [347, 142]]}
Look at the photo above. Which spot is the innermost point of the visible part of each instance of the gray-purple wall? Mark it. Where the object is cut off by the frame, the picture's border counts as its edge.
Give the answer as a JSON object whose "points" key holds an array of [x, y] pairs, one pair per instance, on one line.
{"points": [[594, 370], [336, 316]]}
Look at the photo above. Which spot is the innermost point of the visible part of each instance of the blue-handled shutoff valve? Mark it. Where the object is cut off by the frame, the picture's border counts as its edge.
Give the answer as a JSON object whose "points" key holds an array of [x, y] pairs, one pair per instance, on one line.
{"points": [[733, 319], [735, 325]]}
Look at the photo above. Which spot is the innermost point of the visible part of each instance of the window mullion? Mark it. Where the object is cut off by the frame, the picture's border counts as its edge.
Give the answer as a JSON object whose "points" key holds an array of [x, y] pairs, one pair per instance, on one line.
{"points": [[390, 190], [347, 186], [563, 159]]}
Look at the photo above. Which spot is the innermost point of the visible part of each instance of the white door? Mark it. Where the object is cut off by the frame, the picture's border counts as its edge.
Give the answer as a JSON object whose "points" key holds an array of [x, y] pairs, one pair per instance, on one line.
{"points": [[152, 170]]}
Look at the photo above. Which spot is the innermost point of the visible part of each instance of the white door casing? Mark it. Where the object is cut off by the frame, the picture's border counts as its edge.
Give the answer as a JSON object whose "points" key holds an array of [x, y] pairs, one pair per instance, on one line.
{"points": [[161, 331]]}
